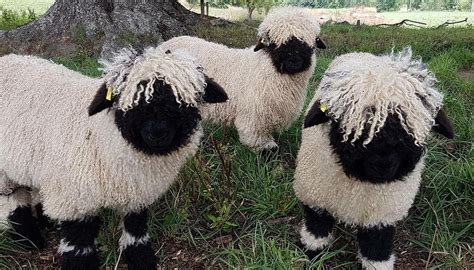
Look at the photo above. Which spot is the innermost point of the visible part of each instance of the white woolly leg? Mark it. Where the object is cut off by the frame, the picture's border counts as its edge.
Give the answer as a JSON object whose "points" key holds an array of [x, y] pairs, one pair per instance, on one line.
{"points": [[314, 243], [377, 265], [8, 203], [257, 142], [127, 240], [254, 134], [35, 197], [35, 200], [270, 145], [65, 247]]}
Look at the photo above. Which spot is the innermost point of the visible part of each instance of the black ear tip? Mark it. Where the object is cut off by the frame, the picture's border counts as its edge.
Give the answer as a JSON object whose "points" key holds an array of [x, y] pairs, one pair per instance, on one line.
{"points": [[101, 101], [449, 133], [214, 92], [320, 43], [443, 125], [258, 47], [306, 123], [315, 116], [225, 97]]}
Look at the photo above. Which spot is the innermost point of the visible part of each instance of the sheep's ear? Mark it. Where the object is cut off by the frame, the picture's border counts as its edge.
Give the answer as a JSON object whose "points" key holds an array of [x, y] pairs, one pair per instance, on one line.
{"points": [[316, 115], [214, 93], [102, 100], [259, 46], [320, 43], [443, 125]]}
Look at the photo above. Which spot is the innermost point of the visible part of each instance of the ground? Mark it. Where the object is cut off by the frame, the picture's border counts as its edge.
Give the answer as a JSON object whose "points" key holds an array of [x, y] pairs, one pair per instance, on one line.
{"points": [[232, 209]]}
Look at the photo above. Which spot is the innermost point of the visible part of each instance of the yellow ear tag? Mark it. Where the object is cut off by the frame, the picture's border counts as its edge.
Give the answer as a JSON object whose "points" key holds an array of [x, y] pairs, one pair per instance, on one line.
{"points": [[109, 94], [323, 107]]}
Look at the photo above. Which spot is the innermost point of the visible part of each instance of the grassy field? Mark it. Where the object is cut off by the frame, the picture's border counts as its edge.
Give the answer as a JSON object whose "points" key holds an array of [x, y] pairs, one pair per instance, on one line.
{"points": [[39, 6], [430, 17], [232, 209]]}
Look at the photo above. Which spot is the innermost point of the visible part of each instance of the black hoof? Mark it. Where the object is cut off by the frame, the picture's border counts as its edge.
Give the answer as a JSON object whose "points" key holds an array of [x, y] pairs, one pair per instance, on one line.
{"points": [[269, 154], [140, 257], [311, 254], [86, 262], [26, 231]]}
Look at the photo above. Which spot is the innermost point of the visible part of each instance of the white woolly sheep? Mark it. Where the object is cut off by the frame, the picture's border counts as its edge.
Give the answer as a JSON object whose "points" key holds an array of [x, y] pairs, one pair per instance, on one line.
{"points": [[363, 149], [267, 83], [123, 158]]}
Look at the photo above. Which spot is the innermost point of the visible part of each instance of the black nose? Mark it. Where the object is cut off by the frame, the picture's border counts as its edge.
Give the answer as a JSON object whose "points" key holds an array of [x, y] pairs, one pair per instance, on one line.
{"points": [[294, 63], [157, 134], [382, 166]]}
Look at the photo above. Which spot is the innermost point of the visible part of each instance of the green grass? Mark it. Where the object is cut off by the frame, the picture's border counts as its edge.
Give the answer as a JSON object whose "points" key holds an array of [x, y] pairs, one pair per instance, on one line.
{"points": [[232, 209], [432, 18], [10, 19], [39, 6]]}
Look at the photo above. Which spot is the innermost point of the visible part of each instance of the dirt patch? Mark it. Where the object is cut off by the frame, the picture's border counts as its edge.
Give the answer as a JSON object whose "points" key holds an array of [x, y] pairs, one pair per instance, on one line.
{"points": [[467, 74], [44, 259]]}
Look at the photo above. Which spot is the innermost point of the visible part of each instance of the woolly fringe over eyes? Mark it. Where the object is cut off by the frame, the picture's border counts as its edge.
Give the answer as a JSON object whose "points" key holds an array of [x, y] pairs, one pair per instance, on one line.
{"points": [[127, 70], [360, 98], [283, 23]]}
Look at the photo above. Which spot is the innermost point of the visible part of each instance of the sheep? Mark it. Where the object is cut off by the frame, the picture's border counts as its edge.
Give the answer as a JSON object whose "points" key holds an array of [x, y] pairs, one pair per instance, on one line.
{"points": [[363, 150], [266, 83], [143, 122]]}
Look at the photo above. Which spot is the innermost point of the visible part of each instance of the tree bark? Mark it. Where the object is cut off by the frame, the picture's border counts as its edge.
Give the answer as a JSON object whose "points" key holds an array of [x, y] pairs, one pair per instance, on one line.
{"points": [[202, 8], [99, 27]]}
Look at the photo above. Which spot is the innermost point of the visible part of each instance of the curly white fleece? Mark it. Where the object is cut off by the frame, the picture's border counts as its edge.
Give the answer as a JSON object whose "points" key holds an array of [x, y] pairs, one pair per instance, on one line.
{"points": [[79, 163], [362, 89], [283, 23], [128, 68], [393, 83]]}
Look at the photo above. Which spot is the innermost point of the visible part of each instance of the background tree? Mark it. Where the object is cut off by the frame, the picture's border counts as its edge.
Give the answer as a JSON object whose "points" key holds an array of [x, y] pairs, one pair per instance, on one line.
{"points": [[99, 26]]}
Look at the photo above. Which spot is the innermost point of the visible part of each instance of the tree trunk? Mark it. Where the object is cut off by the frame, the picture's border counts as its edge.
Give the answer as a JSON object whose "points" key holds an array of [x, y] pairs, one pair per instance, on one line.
{"points": [[202, 8], [99, 27]]}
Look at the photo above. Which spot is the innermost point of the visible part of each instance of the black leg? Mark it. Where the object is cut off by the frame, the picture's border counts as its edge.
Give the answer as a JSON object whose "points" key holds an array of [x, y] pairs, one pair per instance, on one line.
{"points": [[135, 241], [77, 245], [25, 227], [376, 246], [316, 230], [43, 220]]}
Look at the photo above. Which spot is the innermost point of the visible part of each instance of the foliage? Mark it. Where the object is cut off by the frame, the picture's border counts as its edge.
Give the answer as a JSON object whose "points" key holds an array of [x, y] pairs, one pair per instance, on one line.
{"points": [[250, 5], [385, 5], [10, 19]]}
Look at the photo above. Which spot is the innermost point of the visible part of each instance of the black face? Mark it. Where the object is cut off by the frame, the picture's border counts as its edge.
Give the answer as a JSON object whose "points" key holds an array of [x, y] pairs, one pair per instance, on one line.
{"points": [[390, 156], [161, 126], [292, 57]]}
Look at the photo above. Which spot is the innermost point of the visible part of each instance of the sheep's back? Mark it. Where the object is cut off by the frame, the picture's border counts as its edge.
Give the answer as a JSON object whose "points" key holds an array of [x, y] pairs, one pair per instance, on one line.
{"points": [[39, 101]]}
